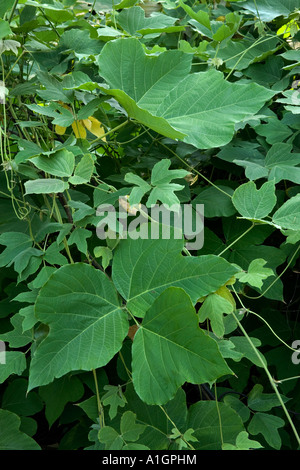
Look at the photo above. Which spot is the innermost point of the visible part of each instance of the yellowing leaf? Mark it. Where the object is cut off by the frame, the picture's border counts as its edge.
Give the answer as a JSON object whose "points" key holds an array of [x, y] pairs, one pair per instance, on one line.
{"points": [[79, 130], [96, 127], [60, 130], [87, 123], [288, 29], [226, 294]]}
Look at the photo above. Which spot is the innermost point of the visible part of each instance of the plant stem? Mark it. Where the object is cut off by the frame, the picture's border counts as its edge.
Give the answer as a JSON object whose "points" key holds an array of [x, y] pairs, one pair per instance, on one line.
{"points": [[99, 404], [271, 380]]}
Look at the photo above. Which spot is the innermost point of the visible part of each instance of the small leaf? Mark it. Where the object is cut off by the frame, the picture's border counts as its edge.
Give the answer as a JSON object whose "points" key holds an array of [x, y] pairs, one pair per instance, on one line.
{"points": [[114, 398], [60, 163], [4, 30], [242, 443], [83, 171], [45, 186], [105, 253], [267, 425], [254, 203], [256, 273]]}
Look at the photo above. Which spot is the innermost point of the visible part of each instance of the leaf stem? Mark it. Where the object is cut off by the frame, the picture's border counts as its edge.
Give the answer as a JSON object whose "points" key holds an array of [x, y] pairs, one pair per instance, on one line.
{"points": [[99, 404], [271, 380]]}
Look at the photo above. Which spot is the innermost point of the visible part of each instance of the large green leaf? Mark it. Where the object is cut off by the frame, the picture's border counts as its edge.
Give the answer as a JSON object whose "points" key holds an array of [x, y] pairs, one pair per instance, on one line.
{"points": [[169, 349], [206, 418], [11, 438], [160, 92], [142, 269], [87, 325], [270, 9], [57, 394], [288, 215]]}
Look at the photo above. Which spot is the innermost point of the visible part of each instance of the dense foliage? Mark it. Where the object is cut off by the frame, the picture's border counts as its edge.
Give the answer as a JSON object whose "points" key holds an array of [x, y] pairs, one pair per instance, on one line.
{"points": [[122, 343]]}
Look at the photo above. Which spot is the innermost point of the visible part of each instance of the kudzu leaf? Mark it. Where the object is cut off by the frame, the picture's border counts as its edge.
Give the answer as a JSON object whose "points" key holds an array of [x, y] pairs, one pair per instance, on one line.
{"points": [[161, 93], [254, 203], [143, 268], [256, 273], [205, 417], [59, 164], [45, 186], [267, 425], [11, 438], [87, 325], [11, 362], [288, 215], [242, 443], [169, 349]]}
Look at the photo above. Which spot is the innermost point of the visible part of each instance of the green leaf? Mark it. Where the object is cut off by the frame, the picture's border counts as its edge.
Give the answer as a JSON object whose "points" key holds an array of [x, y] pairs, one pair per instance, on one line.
{"points": [[288, 215], [16, 244], [216, 203], [60, 163], [79, 236], [170, 335], [87, 325], [205, 417], [80, 42], [83, 171], [274, 131], [239, 54], [57, 394], [243, 346], [15, 363], [256, 273], [161, 93], [130, 430], [213, 308], [270, 9], [45, 186], [133, 21], [105, 253], [201, 16], [242, 443], [259, 401], [267, 425], [17, 400], [141, 188], [16, 337], [53, 89], [156, 436], [114, 398], [142, 269], [111, 438], [4, 29], [4, 7], [11, 438], [254, 203]]}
